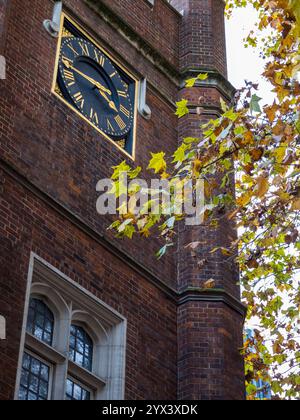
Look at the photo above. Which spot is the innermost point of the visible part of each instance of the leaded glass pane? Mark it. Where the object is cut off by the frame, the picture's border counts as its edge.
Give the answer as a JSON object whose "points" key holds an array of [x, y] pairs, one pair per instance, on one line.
{"points": [[75, 392], [40, 321], [81, 348], [35, 379]]}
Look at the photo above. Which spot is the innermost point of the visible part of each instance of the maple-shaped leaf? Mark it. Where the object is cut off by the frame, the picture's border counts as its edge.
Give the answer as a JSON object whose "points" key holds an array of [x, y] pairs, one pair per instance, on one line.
{"points": [[182, 108], [179, 155], [123, 167], [262, 187], [158, 163], [191, 82], [254, 103]]}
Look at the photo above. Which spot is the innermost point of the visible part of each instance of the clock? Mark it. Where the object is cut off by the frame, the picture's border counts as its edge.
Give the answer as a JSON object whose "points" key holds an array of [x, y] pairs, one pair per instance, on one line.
{"points": [[96, 87]]}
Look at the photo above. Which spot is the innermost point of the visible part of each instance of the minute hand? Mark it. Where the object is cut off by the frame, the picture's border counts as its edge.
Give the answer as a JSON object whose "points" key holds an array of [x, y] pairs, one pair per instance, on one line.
{"points": [[94, 82]]}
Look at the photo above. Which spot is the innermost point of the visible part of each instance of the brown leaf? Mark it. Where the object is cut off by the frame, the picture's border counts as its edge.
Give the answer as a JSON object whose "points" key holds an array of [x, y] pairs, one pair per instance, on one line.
{"points": [[262, 187], [257, 154], [296, 204]]}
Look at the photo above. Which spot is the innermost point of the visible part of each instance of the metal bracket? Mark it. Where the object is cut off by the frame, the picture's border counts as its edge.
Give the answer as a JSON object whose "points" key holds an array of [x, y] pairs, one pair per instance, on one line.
{"points": [[143, 108], [52, 26]]}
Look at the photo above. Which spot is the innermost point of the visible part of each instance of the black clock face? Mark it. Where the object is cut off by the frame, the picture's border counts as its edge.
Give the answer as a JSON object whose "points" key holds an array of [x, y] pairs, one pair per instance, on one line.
{"points": [[95, 87]]}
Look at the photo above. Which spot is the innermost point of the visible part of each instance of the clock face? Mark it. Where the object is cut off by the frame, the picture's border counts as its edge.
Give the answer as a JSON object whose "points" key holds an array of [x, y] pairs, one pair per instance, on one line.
{"points": [[95, 87]]}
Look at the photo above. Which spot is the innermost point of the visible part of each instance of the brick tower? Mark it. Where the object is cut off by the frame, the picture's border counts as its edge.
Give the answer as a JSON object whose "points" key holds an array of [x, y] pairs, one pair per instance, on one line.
{"points": [[209, 323], [147, 327]]}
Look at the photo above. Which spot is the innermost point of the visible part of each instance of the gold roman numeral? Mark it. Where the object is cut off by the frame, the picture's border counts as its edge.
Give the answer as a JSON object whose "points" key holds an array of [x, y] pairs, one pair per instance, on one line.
{"points": [[64, 58], [79, 99], [99, 58], [84, 48], [69, 76], [122, 93], [94, 117], [113, 74], [125, 111], [73, 49], [120, 122], [109, 126]]}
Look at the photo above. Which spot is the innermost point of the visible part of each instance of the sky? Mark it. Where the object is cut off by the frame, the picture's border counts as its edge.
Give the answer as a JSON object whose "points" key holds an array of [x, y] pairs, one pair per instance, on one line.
{"points": [[245, 63]]}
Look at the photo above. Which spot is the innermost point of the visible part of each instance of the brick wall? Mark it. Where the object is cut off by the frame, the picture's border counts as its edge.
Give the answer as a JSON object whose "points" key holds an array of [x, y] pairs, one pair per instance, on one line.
{"points": [[51, 161], [47, 142], [28, 225]]}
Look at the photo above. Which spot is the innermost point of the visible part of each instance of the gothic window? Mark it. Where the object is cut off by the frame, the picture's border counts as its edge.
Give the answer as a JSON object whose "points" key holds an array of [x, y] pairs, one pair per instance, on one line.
{"points": [[40, 321], [81, 347], [76, 392], [35, 379], [69, 334]]}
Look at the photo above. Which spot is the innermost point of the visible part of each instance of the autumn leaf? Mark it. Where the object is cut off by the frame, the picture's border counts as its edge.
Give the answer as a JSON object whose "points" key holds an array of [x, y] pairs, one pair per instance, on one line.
{"points": [[179, 155], [262, 187], [296, 205], [244, 199], [158, 163], [123, 167], [191, 82], [182, 108], [259, 148]]}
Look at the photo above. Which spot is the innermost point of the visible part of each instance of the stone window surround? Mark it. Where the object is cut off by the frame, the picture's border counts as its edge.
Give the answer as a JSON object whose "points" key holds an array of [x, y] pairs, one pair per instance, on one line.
{"points": [[71, 303]]}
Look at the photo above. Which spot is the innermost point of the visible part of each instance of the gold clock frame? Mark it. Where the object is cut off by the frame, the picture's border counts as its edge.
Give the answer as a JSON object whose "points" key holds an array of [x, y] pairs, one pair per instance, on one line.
{"points": [[54, 85]]}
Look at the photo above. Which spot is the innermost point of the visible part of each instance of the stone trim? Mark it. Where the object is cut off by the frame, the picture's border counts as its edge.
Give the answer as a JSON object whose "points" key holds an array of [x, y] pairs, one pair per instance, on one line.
{"points": [[212, 295], [215, 80]]}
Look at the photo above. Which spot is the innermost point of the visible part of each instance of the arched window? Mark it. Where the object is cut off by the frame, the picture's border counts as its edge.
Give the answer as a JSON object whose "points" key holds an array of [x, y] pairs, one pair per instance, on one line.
{"points": [[81, 347], [40, 321]]}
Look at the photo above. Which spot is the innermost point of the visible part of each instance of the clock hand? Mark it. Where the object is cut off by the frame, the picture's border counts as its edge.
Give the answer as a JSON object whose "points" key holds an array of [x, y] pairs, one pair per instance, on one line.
{"points": [[110, 103], [94, 82]]}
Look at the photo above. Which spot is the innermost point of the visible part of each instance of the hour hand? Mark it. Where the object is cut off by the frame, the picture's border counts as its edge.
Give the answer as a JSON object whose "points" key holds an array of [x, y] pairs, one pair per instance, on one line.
{"points": [[110, 102]]}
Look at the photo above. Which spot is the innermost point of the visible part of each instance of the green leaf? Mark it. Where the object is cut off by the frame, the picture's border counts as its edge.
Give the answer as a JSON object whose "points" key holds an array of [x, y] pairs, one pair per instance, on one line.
{"points": [[254, 103], [182, 108], [231, 115], [191, 82], [179, 155], [123, 167]]}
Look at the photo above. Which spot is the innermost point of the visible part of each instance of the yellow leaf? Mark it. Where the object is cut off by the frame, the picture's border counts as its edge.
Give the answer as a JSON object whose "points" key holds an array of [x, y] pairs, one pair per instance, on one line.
{"points": [[244, 199], [197, 165], [262, 187], [158, 163], [279, 153]]}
